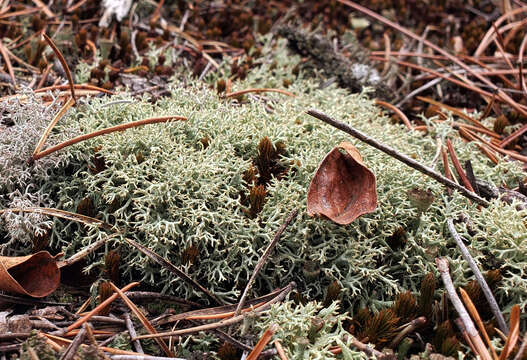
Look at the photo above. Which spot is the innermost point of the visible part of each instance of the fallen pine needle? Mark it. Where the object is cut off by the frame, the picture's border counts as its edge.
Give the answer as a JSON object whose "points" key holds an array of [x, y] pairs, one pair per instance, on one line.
{"points": [[258, 90], [264, 340], [109, 130]]}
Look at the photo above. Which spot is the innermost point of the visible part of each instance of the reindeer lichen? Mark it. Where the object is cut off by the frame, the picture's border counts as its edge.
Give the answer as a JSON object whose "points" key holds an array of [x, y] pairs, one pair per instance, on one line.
{"points": [[168, 191]]}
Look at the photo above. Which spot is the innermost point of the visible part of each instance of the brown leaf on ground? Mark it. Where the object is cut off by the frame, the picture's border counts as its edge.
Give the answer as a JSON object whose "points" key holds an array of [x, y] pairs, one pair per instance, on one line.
{"points": [[35, 275], [343, 188]]}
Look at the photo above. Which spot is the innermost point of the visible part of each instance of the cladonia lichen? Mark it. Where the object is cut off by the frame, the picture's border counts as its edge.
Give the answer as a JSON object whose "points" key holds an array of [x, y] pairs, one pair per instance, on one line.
{"points": [[164, 188]]}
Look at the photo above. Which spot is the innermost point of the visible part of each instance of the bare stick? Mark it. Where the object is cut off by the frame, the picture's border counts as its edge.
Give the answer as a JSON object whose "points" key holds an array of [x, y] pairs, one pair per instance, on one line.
{"points": [[72, 348], [442, 265], [403, 158], [131, 331], [479, 277], [263, 260]]}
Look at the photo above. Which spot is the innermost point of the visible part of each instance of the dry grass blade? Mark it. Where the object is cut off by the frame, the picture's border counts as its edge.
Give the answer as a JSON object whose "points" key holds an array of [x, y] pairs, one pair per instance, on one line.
{"points": [[61, 214], [5, 55], [264, 340], [223, 315], [465, 133], [53, 122], [399, 113], [512, 154], [173, 269], [109, 130], [143, 319], [475, 315], [457, 166], [258, 90], [98, 308], [63, 62], [439, 74], [514, 333], [522, 85]]}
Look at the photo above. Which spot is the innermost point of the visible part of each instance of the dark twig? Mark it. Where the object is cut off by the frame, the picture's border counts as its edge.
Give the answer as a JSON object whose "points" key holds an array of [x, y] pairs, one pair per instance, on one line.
{"points": [[472, 332], [403, 158], [72, 348], [368, 350], [479, 277], [408, 329], [263, 260], [173, 269], [133, 334]]}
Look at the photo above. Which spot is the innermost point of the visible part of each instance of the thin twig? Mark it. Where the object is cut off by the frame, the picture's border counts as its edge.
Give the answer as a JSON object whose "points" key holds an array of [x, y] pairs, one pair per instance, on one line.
{"points": [[131, 331], [222, 323], [72, 348], [403, 158], [175, 270], [481, 350], [263, 260], [479, 277], [408, 329]]}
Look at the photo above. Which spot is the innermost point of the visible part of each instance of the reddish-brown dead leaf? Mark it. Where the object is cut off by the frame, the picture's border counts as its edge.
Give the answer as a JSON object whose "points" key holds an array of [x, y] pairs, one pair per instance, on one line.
{"points": [[35, 275], [343, 188]]}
